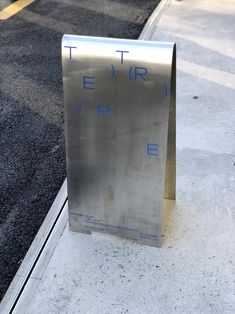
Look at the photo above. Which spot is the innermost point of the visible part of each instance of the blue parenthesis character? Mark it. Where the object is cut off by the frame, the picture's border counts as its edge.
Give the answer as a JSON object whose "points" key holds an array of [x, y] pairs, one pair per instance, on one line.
{"points": [[152, 149], [80, 109], [164, 90], [113, 71]]}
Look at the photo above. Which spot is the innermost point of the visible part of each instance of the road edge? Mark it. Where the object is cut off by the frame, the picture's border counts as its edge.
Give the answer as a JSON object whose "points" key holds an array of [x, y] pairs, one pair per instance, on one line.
{"points": [[153, 20], [27, 266]]}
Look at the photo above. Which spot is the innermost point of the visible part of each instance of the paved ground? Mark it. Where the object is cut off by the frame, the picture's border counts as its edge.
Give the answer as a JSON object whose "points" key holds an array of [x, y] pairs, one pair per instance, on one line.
{"points": [[32, 158]]}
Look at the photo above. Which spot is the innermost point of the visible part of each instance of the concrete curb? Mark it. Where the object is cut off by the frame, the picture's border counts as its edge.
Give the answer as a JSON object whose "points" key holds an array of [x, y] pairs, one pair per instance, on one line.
{"points": [[153, 20], [35, 251]]}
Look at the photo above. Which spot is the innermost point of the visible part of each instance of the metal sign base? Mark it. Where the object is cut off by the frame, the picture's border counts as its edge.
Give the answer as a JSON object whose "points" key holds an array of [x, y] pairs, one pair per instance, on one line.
{"points": [[120, 134]]}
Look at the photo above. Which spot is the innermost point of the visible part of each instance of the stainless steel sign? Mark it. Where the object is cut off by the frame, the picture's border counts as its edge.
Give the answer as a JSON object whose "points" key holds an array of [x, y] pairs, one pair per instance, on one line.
{"points": [[120, 134]]}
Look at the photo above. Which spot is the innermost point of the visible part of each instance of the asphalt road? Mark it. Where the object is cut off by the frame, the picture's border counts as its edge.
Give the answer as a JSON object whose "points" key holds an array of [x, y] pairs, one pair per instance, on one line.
{"points": [[32, 155]]}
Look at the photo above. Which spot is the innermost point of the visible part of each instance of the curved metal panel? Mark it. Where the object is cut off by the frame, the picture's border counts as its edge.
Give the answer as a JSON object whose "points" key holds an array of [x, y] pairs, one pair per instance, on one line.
{"points": [[118, 94]]}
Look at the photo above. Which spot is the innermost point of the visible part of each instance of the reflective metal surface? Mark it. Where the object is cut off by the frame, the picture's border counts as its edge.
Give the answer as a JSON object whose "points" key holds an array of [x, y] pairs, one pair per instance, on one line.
{"points": [[119, 107]]}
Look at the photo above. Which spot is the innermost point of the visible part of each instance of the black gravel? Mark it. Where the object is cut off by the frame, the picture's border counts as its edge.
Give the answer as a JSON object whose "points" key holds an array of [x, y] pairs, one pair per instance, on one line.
{"points": [[32, 158]]}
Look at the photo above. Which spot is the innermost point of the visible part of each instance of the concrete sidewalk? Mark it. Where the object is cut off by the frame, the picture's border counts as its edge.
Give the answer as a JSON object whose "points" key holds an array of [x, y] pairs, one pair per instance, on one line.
{"points": [[193, 272]]}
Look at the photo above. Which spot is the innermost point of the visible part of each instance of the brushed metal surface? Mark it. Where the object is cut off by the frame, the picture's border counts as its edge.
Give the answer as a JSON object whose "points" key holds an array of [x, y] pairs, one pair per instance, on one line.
{"points": [[119, 95]]}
